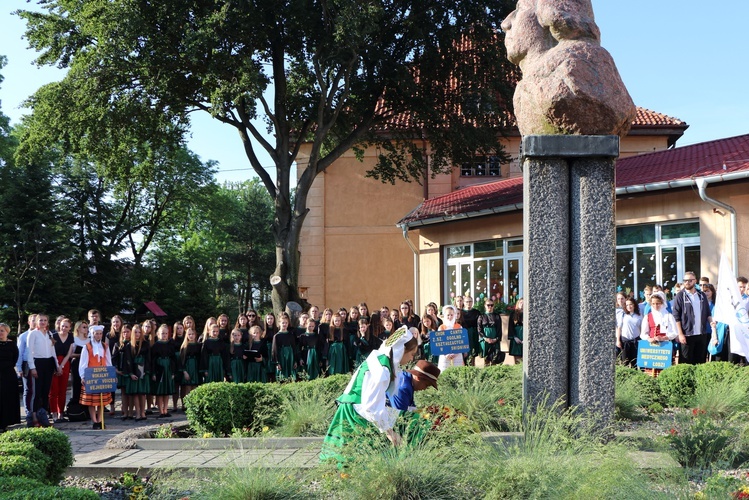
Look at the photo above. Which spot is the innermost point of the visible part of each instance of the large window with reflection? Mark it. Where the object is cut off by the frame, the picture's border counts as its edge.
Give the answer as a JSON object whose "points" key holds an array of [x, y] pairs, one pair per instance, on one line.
{"points": [[491, 268], [648, 254]]}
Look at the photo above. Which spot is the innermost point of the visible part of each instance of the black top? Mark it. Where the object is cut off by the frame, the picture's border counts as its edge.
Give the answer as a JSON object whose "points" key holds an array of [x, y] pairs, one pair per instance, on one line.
{"points": [[8, 355], [310, 341], [491, 319], [214, 347], [412, 322], [470, 318], [162, 350], [129, 367], [238, 351], [62, 348], [281, 340]]}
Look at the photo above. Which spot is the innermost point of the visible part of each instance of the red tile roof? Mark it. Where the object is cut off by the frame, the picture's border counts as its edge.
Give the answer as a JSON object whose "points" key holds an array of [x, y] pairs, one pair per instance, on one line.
{"points": [[697, 160], [673, 167], [648, 118], [493, 197]]}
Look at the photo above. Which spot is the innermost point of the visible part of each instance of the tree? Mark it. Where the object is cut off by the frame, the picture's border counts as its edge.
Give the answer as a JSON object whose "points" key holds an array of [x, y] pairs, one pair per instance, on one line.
{"points": [[35, 247], [326, 76]]}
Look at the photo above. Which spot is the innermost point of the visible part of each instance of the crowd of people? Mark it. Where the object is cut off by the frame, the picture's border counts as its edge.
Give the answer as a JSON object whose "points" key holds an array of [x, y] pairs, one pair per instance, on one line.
{"points": [[686, 320], [158, 363]]}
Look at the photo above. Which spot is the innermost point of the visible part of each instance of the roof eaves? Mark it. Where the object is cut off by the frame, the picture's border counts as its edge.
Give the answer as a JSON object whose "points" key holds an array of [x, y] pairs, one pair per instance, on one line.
{"points": [[454, 217]]}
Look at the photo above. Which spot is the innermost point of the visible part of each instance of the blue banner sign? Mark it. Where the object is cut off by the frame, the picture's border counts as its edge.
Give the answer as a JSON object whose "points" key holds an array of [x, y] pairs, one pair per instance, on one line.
{"points": [[657, 355], [448, 341], [100, 379]]}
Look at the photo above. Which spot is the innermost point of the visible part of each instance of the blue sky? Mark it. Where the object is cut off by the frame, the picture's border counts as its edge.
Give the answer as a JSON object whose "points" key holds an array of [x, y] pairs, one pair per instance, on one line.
{"points": [[677, 57]]}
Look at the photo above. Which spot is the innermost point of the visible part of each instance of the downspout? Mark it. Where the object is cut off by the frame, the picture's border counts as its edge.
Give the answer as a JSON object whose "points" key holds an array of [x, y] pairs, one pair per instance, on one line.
{"points": [[417, 306], [702, 183]]}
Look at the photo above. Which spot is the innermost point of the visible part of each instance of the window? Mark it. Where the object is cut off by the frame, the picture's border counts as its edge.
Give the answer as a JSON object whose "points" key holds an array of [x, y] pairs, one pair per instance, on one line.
{"points": [[492, 268], [649, 254], [482, 166]]}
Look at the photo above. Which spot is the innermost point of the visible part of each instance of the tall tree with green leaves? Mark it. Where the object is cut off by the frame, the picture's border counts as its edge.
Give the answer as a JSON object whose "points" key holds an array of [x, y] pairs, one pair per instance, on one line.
{"points": [[303, 81], [115, 218]]}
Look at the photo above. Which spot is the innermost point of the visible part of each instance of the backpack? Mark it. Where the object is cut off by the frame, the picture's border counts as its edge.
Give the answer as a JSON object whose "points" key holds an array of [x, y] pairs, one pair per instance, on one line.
{"points": [[77, 412]]}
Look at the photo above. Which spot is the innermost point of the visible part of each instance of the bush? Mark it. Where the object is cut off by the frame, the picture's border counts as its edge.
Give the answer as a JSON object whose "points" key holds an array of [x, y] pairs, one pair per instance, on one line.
{"points": [[699, 441], [677, 385], [721, 397], [645, 386], [17, 465], [51, 442], [709, 374], [28, 451], [22, 488], [490, 397], [220, 407], [629, 400]]}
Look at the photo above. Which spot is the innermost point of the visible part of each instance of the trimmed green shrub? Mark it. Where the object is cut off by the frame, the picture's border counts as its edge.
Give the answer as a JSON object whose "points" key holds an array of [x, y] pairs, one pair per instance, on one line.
{"points": [[709, 374], [17, 465], [677, 385], [220, 407], [27, 451], [51, 442], [23, 488], [644, 385]]}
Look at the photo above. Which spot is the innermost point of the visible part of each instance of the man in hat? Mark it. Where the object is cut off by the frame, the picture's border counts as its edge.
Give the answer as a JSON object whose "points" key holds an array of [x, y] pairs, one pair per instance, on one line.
{"points": [[423, 376]]}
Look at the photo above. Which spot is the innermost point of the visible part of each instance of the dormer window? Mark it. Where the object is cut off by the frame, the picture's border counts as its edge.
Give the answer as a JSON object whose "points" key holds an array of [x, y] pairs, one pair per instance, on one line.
{"points": [[482, 166]]}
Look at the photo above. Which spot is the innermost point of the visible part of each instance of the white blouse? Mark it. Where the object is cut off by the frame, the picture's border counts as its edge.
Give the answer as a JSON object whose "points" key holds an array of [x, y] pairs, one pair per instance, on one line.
{"points": [[84, 358], [373, 395], [665, 319], [39, 346]]}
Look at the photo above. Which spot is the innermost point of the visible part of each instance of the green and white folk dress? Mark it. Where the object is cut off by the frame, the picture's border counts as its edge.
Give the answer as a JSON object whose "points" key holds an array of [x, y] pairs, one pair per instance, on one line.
{"points": [[361, 410]]}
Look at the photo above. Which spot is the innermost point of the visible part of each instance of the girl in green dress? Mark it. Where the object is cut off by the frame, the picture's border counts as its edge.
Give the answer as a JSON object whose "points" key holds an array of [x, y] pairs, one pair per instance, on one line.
{"points": [[163, 369], [310, 347], [361, 407], [137, 362], [428, 325], [256, 371], [189, 355], [284, 351], [337, 357], [214, 358], [237, 359]]}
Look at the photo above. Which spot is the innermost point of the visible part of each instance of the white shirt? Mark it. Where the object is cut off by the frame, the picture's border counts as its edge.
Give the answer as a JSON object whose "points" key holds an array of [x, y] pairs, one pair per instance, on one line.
{"points": [[665, 319], [99, 349], [39, 346], [630, 326]]}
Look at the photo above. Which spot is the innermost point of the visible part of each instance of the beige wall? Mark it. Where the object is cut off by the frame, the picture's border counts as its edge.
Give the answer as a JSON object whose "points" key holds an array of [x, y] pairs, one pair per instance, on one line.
{"points": [[351, 249]]}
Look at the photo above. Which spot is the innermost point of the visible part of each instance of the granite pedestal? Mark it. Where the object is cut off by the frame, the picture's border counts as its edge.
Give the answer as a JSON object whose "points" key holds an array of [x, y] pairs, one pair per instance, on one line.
{"points": [[568, 222]]}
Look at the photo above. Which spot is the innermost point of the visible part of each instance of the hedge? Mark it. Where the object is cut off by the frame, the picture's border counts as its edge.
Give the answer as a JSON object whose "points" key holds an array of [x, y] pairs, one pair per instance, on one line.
{"points": [[646, 385], [23, 488], [52, 443], [220, 407]]}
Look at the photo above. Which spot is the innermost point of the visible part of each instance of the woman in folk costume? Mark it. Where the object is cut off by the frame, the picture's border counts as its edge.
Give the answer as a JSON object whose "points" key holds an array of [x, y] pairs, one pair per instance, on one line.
{"points": [[658, 325], [94, 355], [449, 314], [361, 407]]}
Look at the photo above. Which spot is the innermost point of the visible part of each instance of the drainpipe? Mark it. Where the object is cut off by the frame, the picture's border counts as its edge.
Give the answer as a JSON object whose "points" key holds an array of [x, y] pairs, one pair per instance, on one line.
{"points": [[702, 183], [417, 306]]}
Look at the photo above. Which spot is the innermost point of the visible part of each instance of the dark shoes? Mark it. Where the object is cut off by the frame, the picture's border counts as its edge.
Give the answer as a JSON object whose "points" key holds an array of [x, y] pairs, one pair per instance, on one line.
{"points": [[97, 426]]}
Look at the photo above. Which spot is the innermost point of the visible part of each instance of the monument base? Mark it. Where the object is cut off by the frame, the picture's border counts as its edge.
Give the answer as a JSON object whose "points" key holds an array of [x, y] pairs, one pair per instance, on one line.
{"points": [[569, 268]]}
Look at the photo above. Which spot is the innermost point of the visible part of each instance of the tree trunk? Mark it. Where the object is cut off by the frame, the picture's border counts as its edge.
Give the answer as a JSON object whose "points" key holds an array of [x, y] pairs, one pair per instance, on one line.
{"points": [[286, 230]]}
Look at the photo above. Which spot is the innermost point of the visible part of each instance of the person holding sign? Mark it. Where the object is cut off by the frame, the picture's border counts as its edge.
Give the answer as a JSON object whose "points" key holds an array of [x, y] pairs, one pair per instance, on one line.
{"points": [[94, 355], [658, 325], [454, 359]]}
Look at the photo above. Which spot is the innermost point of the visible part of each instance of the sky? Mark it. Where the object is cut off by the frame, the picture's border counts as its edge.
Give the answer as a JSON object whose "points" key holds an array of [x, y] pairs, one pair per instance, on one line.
{"points": [[677, 57]]}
